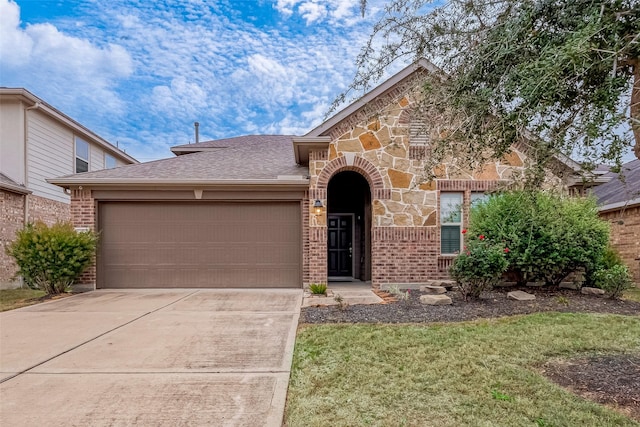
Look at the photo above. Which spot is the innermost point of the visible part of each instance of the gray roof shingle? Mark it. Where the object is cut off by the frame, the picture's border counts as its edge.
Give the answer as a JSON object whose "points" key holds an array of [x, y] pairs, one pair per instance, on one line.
{"points": [[7, 183], [254, 157], [620, 190]]}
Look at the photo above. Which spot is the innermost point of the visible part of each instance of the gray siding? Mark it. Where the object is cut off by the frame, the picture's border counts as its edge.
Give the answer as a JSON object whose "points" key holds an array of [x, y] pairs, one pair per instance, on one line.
{"points": [[49, 153]]}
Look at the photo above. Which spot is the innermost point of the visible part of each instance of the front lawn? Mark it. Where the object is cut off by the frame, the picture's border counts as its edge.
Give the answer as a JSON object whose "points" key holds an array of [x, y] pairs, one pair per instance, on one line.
{"points": [[16, 298], [484, 373]]}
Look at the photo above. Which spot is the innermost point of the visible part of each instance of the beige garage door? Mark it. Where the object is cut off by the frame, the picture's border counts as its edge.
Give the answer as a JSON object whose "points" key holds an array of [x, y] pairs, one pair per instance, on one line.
{"points": [[199, 245]]}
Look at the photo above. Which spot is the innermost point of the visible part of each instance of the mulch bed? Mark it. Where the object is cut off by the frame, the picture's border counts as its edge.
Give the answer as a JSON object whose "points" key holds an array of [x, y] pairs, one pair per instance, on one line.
{"points": [[613, 380], [491, 305]]}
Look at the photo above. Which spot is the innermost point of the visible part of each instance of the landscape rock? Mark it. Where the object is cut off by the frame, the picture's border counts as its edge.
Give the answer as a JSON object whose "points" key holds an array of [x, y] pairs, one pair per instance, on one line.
{"points": [[591, 291], [520, 296], [433, 289], [435, 300], [448, 284], [569, 285]]}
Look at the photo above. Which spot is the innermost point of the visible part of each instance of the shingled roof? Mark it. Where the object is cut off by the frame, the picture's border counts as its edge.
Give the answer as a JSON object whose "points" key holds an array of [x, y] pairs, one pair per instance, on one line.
{"points": [[8, 184], [241, 159], [622, 190]]}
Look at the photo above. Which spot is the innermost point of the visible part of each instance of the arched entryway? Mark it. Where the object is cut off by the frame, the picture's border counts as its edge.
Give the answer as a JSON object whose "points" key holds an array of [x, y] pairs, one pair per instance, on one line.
{"points": [[348, 227]]}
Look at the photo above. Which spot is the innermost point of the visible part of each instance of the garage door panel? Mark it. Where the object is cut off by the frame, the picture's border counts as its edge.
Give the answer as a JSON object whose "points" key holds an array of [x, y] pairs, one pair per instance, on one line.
{"points": [[177, 244]]}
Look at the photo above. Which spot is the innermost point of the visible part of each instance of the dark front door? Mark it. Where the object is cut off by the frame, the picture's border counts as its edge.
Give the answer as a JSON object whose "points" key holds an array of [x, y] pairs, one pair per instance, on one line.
{"points": [[340, 245]]}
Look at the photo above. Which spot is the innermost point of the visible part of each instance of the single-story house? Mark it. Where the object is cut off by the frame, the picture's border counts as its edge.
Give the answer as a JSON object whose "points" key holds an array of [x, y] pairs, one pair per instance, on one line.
{"points": [[619, 203], [348, 201]]}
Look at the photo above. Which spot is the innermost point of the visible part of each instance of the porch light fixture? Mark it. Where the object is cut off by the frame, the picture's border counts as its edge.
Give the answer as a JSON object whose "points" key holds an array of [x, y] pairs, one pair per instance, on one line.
{"points": [[317, 207]]}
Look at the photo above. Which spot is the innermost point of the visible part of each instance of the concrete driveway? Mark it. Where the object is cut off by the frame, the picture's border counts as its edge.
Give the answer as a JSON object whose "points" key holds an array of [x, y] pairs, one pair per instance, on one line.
{"points": [[149, 357]]}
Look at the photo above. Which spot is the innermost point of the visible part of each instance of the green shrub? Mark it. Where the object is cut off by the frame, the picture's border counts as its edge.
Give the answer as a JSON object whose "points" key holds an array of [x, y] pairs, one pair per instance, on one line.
{"points": [[51, 258], [318, 288], [610, 258], [479, 266], [549, 236], [614, 280]]}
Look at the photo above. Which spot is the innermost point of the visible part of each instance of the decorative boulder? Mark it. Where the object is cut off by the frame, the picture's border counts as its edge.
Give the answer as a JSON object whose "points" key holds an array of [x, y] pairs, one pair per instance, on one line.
{"points": [[591, 291], [520, 296], [435, 300], [433, 289]]}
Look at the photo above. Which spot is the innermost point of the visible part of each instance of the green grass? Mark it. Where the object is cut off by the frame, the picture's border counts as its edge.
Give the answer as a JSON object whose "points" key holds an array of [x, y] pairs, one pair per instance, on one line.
{"points": [[16, 298], [466, 374], [632, 294]]}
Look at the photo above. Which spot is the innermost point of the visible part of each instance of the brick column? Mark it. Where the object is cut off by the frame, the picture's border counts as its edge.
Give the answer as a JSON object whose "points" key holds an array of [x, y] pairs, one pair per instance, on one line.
{"points": [[318, 254], [83, 214]]}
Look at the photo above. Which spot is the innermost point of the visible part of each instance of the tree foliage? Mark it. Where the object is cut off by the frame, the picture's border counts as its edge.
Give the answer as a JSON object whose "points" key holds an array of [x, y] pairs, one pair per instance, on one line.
{"points": [[567, 72]]}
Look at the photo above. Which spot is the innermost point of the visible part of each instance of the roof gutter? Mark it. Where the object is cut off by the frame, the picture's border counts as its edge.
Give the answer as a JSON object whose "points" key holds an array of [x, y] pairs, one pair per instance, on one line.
{"points": [[619, 205], [105, 182], [19, 189]]}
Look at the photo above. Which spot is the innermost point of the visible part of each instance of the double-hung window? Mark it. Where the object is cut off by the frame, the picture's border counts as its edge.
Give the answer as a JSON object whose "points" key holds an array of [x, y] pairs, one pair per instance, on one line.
{"points": [[450, 223], [478, 198], [82, 155]]}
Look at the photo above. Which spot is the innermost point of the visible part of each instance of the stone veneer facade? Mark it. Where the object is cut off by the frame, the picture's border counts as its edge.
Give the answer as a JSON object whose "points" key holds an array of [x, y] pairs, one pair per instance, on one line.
{"points": [[405, 229], [12, 206], [625, 236]]}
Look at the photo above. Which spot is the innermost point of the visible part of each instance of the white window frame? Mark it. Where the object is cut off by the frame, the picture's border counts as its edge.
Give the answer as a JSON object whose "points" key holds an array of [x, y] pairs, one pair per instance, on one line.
{"points": [[77, 156], [446, 220]]}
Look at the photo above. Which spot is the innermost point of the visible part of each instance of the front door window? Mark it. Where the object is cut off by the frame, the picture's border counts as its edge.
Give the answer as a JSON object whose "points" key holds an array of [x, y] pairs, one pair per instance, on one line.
{"points": [[340, 247]]}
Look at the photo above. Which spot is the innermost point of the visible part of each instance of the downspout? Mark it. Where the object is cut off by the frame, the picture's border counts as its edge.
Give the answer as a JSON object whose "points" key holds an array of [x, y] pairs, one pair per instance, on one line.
{"points": [[26, 163]]}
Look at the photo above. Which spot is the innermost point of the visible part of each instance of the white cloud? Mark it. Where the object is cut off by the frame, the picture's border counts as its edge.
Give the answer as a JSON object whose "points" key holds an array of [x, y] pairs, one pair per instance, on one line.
{"points": [[261, 65], [335, 12], [142, 72], [42, 53], [186, 97], [312, 11], [285, 6], [15, 45]]}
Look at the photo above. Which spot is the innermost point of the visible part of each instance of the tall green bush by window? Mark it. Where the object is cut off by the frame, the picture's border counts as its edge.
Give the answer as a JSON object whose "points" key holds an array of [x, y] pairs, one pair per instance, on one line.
{"points": [[479, 266], [51, 258], [549, 236]]}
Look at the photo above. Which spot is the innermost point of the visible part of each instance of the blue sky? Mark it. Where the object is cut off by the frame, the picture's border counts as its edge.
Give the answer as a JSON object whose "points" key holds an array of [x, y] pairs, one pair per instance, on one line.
{"points": [[141, 72]]}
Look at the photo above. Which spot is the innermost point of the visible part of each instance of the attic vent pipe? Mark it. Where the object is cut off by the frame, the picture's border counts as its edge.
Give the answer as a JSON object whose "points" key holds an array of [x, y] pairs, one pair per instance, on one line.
{"points": [[197, 126]]}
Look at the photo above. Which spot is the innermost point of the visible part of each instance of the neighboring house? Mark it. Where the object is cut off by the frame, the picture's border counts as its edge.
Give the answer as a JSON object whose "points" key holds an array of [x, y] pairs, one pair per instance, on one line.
{"points": [[347, 201], [619, 203], [38, 142]]}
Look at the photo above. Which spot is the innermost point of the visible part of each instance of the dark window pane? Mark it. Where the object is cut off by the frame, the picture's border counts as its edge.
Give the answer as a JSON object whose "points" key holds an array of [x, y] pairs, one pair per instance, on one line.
{"points": [[450, 239], [81, 165]]}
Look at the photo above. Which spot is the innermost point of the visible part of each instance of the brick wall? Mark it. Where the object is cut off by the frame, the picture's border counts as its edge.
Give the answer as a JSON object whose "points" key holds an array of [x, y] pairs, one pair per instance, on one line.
{"points": [[625, 236], [317, 255], [305, 240], [83, 214], [404, 255], [47, 210], [12, 214]]}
